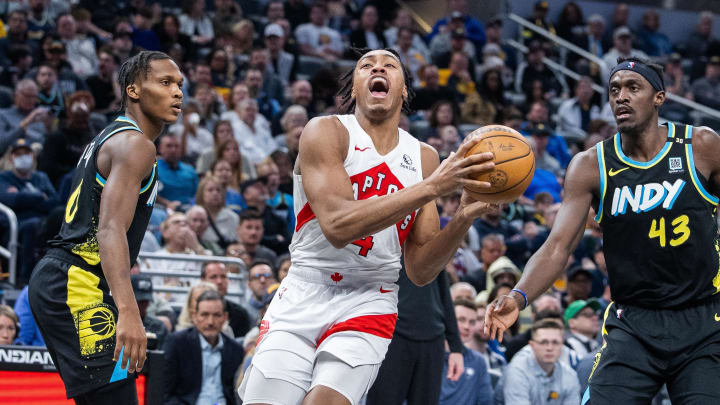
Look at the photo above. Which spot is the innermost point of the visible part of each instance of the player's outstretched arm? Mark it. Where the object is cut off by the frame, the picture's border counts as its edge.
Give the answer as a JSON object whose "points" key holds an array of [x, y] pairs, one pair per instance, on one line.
{"points": [[428, 249], [323, 148], [547, 264], [129, 158]]}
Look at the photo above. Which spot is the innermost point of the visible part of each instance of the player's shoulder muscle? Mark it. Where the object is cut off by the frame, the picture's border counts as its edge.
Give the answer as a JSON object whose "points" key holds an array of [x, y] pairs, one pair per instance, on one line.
{"points": [[430, 159], [130, 152], [323, 138]]}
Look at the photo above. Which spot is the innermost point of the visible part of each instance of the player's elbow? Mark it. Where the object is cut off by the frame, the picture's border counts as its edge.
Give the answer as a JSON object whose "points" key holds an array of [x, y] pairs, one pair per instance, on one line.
{"points": [[418, 278]]}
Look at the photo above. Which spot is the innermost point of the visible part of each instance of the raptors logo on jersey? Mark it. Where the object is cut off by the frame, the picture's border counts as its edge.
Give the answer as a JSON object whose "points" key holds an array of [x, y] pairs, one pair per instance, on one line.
{"points": [[377, 256]]}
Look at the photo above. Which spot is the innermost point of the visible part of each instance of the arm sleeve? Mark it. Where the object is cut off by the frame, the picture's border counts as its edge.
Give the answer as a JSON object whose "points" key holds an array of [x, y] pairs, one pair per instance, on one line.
{"points": [[517, 387], [452, 334]]}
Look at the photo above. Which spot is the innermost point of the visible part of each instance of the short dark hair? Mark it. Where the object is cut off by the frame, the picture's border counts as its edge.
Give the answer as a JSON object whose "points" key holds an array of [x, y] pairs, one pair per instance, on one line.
{"points": [[656, 67], [547, 323], [249, 214], [258, 262], [134, 69], [210, 295], [347, 104], [205, 266], [463, 302]]}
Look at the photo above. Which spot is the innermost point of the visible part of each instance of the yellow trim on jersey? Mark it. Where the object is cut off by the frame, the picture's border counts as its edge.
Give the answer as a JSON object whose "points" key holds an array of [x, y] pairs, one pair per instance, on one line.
{"points": [[603, 179], [152, 175], [693, 173], [94, 321], [645, 165], [82, 289], [607, 311]]}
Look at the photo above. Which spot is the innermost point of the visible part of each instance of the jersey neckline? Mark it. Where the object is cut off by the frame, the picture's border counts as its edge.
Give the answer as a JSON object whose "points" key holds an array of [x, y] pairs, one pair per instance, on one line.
{"points": [[645, 165]]}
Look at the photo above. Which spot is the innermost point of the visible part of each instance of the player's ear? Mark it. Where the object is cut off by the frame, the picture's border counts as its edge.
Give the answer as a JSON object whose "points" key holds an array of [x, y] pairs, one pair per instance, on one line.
{"points": [[132, 92], [659, 99], [405, 93]]}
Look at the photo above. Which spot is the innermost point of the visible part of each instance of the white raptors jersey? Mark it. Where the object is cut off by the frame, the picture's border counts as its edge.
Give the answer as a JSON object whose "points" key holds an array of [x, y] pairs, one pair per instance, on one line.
{"points": [[377, 256]]}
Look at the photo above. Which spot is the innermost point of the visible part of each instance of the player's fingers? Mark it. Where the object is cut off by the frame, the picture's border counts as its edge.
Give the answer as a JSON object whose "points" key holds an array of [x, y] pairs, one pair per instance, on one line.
{"points": [[476, 158], [500, 333], [142, 356], [474, 183], [118, 349], [132, 358], [488, 319], [467, 145], [476, 168]]}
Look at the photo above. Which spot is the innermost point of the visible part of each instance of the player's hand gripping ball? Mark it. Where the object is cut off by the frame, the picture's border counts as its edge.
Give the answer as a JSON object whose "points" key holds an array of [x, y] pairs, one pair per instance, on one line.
{"points": [[514, 164]]}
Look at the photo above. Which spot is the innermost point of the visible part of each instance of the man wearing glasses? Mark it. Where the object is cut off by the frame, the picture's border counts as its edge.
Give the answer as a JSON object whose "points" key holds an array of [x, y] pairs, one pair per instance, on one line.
{"points": [[582, 319], [260, 277], [541, 378]]}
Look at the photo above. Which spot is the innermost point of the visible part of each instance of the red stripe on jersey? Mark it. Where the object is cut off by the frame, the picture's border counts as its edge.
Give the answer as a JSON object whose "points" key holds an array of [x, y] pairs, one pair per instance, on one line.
{"points": [[378, 325], [305, 215]]}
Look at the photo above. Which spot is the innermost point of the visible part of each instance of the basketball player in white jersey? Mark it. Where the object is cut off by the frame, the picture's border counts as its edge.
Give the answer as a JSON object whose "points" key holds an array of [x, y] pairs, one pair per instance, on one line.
{"points": [[364, 194]]}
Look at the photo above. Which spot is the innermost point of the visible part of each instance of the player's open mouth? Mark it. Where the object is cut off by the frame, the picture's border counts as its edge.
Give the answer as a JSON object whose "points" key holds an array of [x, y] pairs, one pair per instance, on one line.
{"points": [[176, 108], [622, 113], [379, 87]]}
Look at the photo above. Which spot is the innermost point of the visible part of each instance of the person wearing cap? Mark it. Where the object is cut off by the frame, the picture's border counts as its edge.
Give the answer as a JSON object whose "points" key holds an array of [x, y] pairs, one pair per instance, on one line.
{"points": [[622, 47], [540, 135], [650, 39], [453, 39], [281, 63], [534, 69], [579, 285], [706, 90], [31, 195], [143, 290], [539, 18], [583, 323], [457, 10], [557, 147], [661, 255], [576, 113]]}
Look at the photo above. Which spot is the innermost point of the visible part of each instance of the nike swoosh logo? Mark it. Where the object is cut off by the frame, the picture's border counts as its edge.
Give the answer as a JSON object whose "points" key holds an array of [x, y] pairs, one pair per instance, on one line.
{"points": [[382, 291], [363, 149], [611, 172], [717, 318]]}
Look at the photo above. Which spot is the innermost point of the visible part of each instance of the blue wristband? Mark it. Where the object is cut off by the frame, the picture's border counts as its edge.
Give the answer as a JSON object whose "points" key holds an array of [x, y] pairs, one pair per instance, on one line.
{"points": [[523, 295]]}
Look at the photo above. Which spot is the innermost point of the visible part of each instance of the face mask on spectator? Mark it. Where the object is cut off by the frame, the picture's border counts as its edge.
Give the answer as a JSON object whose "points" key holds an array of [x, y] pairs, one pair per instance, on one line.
{"points": [[23, 163]]}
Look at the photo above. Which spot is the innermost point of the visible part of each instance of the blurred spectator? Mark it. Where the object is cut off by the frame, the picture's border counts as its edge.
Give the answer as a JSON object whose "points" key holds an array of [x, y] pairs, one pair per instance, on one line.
{"points": [[571, 24], [19, 62], [544, 181], [541, 202], [583, 322], [622, 48], [275, 229], [198, 221], [195, 23], [86, 29], [411, 57], [473, 386], [301, 93], [260, 277], [49, 93], [650, 39], [223, 221], [316, 38], [222, 69], [458, 44], [29, 333], [297, 12], [595, 35], [54, 53], [292, 122], [576, 113], [281, 63], [706, 90], [24, 119], [143, 290], [242, 169], [697, 45], [178, 180], [237, 250], [283, 267], [452, 39], [534, 69], [243, 36], [281, 204], [202, 361], [41, 20], [194, 139], [462, 290], [441, 114], [222, 132], [457, 9], [230, 181], [104, 85], [451, 139], [545, 306], [250, 233], [369, 33], [168, 34], [62, 149], [492, 247], [539, 18], [676, 82], [238, 317], [541, 377], [9, 325], [404, 20], [490, 351], [122, 44], [482, 107], [185, 319], [539, 114], [31, 196], [253, 135], [579, 285], [211, 105], [501, 271], [80, 50], [226, 13], [271, 89], [620, 18], [16, 34]]}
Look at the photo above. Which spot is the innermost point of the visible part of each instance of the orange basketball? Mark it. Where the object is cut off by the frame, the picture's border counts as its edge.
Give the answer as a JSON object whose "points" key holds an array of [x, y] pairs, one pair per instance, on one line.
{"points": [[514, 164]]}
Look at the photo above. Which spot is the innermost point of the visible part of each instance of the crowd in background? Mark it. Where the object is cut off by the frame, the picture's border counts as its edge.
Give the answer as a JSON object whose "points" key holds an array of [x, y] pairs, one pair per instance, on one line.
{"points": [[256, 72]]}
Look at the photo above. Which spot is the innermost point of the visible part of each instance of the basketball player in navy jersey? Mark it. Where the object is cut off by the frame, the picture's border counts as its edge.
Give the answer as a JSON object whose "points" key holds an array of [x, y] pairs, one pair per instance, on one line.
{"points": [[654, 189], [80, 292]]}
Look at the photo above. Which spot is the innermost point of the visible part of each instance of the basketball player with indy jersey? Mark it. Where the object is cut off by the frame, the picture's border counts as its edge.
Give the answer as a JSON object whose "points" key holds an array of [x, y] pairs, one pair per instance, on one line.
{"points": [[654, 189], [364, 196]]}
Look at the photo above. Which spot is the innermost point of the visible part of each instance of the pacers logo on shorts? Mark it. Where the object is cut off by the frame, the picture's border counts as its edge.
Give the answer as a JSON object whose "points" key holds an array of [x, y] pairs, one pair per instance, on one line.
{"points": [[96, 329]]}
